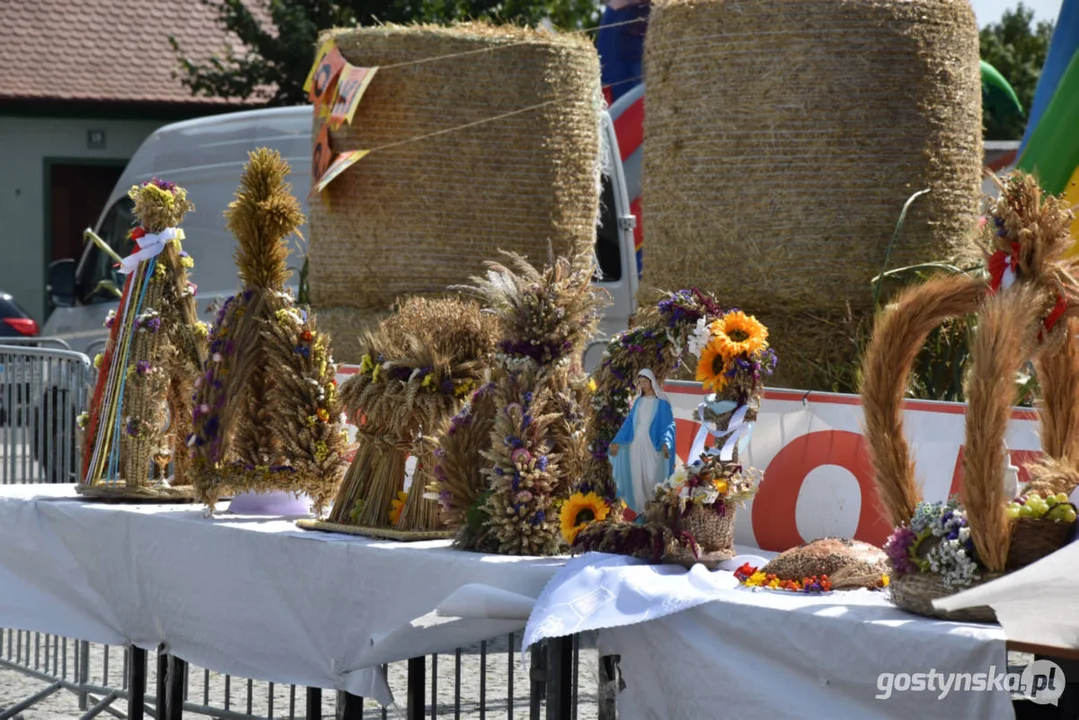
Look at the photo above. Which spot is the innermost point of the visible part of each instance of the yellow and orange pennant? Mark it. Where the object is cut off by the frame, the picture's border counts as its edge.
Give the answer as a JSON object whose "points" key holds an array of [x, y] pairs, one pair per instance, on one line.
{"points": [[340, 163], [335, 88], [351, 84]]}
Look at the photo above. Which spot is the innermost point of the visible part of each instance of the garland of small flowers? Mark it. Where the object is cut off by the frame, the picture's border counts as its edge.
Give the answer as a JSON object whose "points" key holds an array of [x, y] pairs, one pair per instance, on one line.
{"points": [[657, 343], [749, 576]]}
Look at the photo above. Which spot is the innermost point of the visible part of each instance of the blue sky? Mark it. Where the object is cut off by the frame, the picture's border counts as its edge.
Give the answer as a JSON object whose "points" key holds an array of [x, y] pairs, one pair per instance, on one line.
{"points": [[989, 11]]}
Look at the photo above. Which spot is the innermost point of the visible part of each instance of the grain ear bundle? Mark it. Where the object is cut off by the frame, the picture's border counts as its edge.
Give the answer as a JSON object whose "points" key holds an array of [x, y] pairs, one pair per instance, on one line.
{"points": [[423, 212], [1025, 310], [783, 138]]}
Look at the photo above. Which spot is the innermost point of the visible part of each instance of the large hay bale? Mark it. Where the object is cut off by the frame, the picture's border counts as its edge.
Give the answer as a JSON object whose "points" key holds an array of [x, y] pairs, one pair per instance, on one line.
{"points": [[783, 137], [418, 215]]}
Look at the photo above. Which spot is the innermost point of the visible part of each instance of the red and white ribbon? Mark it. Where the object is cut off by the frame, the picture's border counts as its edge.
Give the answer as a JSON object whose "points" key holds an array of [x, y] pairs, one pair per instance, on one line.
{"points": [[150, 245]]}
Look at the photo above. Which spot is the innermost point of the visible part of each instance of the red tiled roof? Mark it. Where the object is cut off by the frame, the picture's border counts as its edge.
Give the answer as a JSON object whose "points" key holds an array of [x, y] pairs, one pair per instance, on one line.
{"points": [[104, 50]]}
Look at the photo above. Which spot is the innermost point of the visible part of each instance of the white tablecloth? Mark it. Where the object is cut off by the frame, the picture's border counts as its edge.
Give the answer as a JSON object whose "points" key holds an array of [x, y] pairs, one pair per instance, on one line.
{"points": [[255, 597], [1038, 604], [696, 645]]}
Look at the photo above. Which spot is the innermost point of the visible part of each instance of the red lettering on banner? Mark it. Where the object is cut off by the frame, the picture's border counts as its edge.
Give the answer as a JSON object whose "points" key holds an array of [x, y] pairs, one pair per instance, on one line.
{"points": [[774, 509], [685, 432], [1020, 458]]}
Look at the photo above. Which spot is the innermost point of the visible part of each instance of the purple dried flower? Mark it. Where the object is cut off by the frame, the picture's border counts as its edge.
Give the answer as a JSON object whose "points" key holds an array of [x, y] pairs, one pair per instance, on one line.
{"points": [[142, 367], [898, 549]]}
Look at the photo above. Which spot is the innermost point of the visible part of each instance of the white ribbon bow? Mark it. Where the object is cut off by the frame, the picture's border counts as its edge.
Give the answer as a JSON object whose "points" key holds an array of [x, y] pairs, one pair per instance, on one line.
{"points": [[150, 245], [737, 432]]}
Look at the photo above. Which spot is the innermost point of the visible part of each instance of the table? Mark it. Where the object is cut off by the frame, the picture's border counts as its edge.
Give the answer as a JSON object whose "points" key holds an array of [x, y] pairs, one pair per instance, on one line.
{"points": [[1038, 604], [251, 596], [697, 645]]}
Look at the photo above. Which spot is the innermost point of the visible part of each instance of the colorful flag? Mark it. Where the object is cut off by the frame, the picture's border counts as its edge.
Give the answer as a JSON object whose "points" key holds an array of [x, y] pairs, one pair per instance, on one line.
{"points": [[351, 84]]}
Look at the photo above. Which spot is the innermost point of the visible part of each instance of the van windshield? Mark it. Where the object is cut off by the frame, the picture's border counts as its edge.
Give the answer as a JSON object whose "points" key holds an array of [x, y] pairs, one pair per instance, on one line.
{"points": [[97, 274]]}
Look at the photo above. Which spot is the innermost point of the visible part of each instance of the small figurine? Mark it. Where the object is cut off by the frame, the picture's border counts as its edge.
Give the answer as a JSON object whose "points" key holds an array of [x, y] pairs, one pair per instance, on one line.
{"points": [[647, 436]]}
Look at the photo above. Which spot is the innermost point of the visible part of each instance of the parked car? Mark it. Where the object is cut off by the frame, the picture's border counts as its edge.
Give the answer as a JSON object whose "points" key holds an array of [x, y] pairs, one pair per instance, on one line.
{"points": [[14, 321]]}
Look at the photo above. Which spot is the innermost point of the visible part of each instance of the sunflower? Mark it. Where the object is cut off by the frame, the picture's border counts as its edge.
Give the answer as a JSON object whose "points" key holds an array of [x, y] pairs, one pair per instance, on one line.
{"points": [[738, 334], [712, 367], [580, 510], [396, 506]]}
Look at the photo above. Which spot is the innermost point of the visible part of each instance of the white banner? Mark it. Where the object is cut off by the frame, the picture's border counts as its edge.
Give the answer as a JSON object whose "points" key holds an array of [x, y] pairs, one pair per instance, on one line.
{"points": [[818, 480]]}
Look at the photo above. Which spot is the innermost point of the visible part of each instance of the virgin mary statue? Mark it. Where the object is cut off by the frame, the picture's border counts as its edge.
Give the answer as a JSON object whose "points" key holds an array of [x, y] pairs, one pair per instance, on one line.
{"points": [[641, 454]]}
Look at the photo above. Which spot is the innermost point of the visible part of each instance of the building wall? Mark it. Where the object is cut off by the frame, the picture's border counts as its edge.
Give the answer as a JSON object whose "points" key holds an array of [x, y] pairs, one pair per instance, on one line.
{"points": [[25, 143]]}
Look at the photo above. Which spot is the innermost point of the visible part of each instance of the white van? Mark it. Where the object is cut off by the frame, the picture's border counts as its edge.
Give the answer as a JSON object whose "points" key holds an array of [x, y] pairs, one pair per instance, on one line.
{"points": [[206, 157]]}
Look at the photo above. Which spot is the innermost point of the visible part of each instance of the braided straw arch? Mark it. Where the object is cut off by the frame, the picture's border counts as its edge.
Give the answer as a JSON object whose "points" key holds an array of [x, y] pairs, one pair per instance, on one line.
{"points": [[1007, 330], [898, 336], [1008, 325]]}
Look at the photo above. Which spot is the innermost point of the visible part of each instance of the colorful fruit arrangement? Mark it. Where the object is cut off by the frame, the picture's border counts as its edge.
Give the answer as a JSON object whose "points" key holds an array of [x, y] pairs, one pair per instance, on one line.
{"points": [[1054, 507]]}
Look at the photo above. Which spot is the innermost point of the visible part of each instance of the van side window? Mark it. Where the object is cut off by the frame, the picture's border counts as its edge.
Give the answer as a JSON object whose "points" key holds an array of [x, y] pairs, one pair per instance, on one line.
{"points": [[607, 241], [97, 267]]}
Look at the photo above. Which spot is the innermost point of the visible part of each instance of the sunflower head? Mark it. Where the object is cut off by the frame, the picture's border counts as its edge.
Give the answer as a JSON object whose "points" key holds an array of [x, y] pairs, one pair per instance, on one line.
{"points": [[396, 506], [579, 511], [712, 368], [739, 335]]}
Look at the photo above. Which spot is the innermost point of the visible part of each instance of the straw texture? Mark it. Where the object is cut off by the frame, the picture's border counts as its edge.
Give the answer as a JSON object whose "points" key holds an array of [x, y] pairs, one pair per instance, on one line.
{"points": [[423, 215], [915, 593], [1003, 341], [347, 327], [783, 138], [898, 336]]}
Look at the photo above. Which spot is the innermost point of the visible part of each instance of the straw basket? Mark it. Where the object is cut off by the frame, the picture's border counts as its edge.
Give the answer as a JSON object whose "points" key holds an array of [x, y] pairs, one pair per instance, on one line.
{"points": [[783, 138], [1033, 539], [713, 532], [418, 215], [915, 592]]}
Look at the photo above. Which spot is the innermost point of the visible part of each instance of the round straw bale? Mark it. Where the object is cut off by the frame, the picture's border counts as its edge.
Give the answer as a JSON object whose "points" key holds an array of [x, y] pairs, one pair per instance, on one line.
{"points": [[783, 137], [817, 350], [434, 200]]}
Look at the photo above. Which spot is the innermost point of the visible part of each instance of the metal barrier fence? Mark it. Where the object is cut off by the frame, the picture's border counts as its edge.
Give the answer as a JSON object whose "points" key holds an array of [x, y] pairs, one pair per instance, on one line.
{"points": [[72, 678], [42, 391]]}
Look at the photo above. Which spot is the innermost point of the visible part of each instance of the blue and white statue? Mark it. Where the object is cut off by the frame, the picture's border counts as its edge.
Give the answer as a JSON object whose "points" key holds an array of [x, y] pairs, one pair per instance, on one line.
{"points": [[642, 453]]}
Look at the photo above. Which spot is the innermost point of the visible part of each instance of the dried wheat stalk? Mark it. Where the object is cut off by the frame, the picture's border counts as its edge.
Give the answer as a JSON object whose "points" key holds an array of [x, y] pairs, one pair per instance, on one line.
{"points": [[898, 337]]}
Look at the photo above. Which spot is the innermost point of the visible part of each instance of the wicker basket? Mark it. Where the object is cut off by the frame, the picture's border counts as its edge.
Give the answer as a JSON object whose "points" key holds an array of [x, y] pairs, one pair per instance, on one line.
{"points": [[1034, 538], [712, 531], [915, 593]]}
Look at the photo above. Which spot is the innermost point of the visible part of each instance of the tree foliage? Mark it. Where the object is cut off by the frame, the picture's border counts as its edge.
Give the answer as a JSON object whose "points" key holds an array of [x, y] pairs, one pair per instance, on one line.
{"points": [[1017, 48], [277, 38]]}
